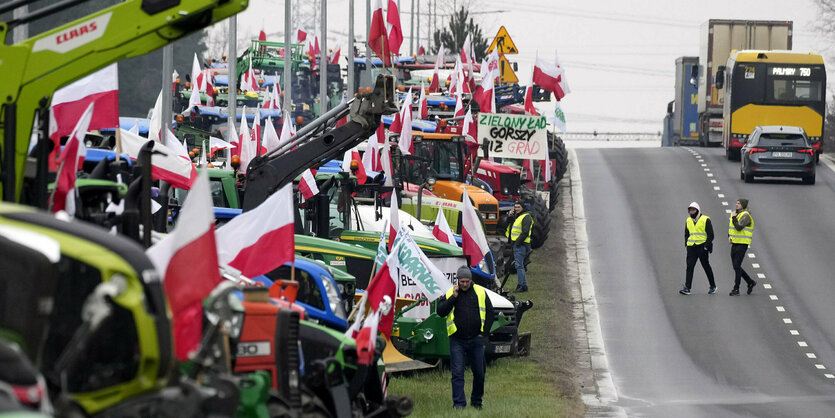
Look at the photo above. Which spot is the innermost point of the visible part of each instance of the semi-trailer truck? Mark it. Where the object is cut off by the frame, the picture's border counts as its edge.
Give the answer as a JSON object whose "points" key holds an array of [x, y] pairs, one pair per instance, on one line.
{"points": [[685, 126]]}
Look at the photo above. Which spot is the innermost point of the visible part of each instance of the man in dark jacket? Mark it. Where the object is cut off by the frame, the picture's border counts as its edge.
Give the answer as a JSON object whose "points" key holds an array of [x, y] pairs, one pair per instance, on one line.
{"points": [[698, 239], [469, 319], [518, 233]]}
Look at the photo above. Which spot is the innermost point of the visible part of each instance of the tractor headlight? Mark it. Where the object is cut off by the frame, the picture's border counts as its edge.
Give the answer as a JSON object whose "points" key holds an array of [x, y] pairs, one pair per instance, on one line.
{"points": [[333, 297], [428, 335], [491, 216]]}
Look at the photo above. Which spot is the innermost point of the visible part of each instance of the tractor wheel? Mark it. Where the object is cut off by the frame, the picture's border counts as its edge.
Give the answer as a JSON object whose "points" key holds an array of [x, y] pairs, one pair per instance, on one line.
{"points": [[553, 194], [541, 218], [497, 251]]}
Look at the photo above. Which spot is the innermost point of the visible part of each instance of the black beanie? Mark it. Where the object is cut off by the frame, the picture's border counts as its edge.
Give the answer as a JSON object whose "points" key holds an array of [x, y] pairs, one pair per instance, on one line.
{"points": [[744, 203]]}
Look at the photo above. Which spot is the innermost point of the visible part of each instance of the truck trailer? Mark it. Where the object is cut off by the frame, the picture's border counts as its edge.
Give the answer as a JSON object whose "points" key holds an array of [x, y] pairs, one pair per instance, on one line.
{"points": [[685, 113], [718, 38]]}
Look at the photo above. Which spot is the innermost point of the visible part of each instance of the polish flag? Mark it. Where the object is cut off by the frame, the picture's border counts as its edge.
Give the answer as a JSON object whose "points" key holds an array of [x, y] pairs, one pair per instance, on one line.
{"points": [[155, 125], [217, 144], [248, 146], [260, 240], [385, 161], [208, 79], [470, 131], [287, 130], [529, 109], [377, 39], [468, 58], [383, 288], [301, 35], [307, 185], [333, 57], [563, 80], [371, 157], [455, 85], [248, 82], [69, 103], [441, 230], [70, 161], [407, 147], [394, 220], [194, 100], [423, 105], [166, 164], [459, 105], [175, 145], [197, 75], [262, 36], [548, 76], [348, 158], [270, 140], [434, 85], [394, 29], [396, 125], [256, 129], [187, 259], [366, 338], [473, 241], [485, 94], [233, 138]]}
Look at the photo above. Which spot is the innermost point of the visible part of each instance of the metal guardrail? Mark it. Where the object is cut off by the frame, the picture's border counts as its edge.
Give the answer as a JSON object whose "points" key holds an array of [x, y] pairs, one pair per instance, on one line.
{"points": [[610, 136]]}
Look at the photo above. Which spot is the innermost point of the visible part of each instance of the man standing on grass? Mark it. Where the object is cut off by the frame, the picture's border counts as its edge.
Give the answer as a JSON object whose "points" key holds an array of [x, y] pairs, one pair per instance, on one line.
{"points": [[469, 318]]}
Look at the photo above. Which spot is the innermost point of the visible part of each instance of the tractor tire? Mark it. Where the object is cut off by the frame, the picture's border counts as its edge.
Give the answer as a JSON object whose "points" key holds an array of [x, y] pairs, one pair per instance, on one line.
{"points": [[541, 218], [553, 194], [497, 250]]}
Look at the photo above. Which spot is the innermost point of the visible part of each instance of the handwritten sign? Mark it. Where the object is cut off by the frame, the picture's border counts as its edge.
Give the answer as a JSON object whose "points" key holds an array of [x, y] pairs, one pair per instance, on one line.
{"points": [[514, 136]]}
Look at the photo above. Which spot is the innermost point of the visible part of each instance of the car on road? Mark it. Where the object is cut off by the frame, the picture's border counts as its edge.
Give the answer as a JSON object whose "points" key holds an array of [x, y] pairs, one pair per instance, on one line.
{"points": [[777, 151]]}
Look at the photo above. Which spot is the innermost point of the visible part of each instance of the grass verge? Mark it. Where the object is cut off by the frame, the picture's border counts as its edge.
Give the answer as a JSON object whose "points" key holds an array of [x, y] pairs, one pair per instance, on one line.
{"points": [[542, 384]]}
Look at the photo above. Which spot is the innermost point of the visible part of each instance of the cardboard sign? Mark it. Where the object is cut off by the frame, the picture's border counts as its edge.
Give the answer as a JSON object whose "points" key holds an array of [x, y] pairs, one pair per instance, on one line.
{"points": [[410, 289], [513, 136]]}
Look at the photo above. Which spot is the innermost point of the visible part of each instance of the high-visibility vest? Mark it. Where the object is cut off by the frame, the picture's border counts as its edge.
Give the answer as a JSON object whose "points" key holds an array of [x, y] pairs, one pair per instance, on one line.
{"points": [[482, 309], [516, 229], [698, 234], [744, 236]]}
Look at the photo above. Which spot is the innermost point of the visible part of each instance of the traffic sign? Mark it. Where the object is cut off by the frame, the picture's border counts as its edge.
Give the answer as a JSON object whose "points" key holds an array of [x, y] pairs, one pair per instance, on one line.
{"points": [[508, 75], [503, 43]]}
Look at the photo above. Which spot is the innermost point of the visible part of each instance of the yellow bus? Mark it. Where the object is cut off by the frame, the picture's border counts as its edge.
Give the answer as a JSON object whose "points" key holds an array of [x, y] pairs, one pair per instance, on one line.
{"points": [[772, 88]]}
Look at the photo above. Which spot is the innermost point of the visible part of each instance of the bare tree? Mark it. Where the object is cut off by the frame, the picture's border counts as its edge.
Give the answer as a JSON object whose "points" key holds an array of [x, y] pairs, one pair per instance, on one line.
{"points": [[452, 37]]}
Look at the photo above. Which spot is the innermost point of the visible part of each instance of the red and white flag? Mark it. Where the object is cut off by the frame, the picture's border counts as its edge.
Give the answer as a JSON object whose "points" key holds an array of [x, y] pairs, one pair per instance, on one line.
{"points": [[394, 220], [397, 124], [459, 105], [366, 338], [270, 140], [248, 82], [333, 56], [470, 130], [441, 230], [473, 241], [70, 102], [394, 29], [248, 146], [371, 155], [166, 164], [194, 100], [197, 75], [233, 138], [217, 144], [287, 130], [435, 84], [549, 77], [71, 160], [175, 145], [405, 142], [383, 288], [187, 260], [385, 161], [455, 83], [485, 94], [257, 134], [347, 161], [423, 105], [156, 124], [260, 240], [262, 36], [301, 34], [529, 108], [377, 39], [563, 80], [307, 185]]}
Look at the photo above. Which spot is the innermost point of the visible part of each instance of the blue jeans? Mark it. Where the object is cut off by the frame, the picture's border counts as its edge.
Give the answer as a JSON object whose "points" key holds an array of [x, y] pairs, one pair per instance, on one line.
{"points": [[519, 254], [460, 351]]}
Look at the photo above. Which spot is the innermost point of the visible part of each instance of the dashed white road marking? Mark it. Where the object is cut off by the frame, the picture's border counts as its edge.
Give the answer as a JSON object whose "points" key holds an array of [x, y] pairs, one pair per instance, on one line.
{"points": [[773, 297], [829, 376], [716, 188], [755, 265], [728, 211], [766, 286], [710, 174], [820, 366], [703, 165], [724, 203], [802, 344], [794, 332], [787, 320], [781, 309], [811, 355], [760, 276], [707, 169], [721, 195], [751, 255]]}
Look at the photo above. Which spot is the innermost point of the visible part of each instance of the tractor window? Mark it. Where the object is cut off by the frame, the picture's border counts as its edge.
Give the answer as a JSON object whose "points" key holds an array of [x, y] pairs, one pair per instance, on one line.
{"points": [[444, 157], [112, 353], [309, 292], [218, 196]]}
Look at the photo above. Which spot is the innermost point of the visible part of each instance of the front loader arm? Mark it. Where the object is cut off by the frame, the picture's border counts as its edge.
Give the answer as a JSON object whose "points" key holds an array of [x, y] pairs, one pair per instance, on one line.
{"points": [[33, 69], [266, 175]]}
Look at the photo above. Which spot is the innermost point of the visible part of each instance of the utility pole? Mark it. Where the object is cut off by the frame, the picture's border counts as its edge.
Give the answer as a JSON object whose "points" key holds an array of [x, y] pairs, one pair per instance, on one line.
{"points": [[287, 110], [21, 32], [369, 81], [323, 63], [350, 48], [232, 67], [167, 83], [412, 29], [417, 45]]}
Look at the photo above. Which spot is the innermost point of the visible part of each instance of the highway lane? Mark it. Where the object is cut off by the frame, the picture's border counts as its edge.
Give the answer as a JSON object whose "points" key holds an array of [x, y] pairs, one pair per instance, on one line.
{"points": [[710, 355]]}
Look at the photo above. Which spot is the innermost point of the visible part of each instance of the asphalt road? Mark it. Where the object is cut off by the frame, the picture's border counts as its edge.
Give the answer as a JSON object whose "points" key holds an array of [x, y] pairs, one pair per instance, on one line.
{"points": [[771, 353]]}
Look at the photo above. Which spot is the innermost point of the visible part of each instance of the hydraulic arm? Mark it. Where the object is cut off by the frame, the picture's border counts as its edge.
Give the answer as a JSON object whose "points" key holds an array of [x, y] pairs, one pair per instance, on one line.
{"points": [[267, 174], [33, 69]]}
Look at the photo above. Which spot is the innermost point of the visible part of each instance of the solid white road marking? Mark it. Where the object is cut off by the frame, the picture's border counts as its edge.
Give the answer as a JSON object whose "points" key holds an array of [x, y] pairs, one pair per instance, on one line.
{"points": [[755, 265], [767, 286], [773, 297]]}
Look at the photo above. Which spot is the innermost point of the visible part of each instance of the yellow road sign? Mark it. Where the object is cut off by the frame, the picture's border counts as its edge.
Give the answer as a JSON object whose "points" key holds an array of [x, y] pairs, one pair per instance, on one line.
{"points": [[508, 76], [503, 43]]}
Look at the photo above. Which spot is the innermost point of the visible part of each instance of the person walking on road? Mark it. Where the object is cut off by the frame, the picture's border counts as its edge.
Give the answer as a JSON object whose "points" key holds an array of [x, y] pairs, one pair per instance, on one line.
{"points": [[740, 232], [519, 225], [469, 316], [698, 239]]}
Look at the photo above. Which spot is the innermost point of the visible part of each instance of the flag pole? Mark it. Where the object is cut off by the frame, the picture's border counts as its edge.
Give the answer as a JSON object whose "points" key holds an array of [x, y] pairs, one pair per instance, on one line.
{"points": [[118, 142], [293, 269]]}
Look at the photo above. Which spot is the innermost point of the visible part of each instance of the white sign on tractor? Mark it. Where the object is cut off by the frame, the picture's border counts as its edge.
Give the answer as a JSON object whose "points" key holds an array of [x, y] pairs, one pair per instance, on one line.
{"points": [[514, 136]]}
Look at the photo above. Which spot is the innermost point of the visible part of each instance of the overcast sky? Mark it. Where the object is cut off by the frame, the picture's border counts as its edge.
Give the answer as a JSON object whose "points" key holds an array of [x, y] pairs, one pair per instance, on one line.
{"points": [[619, 56]]}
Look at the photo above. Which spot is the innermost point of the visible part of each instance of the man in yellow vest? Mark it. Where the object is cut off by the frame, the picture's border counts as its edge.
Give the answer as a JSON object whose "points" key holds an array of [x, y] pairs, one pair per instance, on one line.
{"points": [[740, 232], [469, 317], [698, 239], [519, 225]]}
